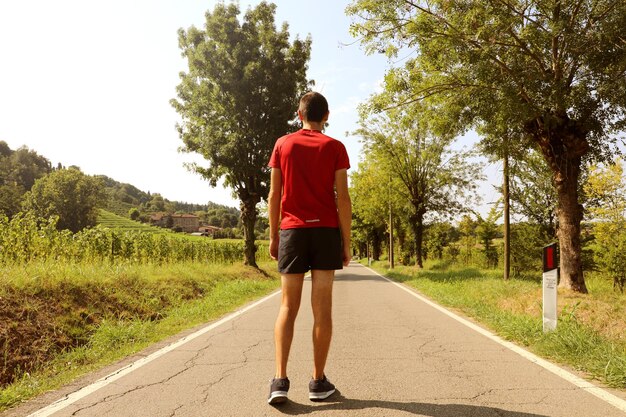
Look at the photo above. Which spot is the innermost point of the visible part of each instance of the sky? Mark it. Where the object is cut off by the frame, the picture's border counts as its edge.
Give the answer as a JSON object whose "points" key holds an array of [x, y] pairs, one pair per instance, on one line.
{"points": [[89, 83]]}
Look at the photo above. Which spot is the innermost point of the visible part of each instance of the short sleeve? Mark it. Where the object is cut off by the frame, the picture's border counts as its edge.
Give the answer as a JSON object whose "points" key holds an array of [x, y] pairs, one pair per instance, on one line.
{"points": [[343, 162], [275, 157]]}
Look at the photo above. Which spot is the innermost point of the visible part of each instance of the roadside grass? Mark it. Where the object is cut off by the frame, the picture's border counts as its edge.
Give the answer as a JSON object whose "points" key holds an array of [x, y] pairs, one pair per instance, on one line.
{"points": [[591, 331], [105, 313]]}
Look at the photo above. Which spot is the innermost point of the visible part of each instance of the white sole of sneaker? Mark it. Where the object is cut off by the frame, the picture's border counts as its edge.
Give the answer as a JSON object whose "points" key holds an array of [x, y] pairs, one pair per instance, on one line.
{"points": [[277, 397], [320, 395]]}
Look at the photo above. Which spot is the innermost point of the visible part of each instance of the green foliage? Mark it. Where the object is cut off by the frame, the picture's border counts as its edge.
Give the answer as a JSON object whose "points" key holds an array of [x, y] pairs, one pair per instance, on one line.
{"points": [[157, 203], [438, 236], [238, 97], [124, 193], [222, 216], [467, 241], [487, 230], [410, 168], [606, 191], [69, 195], [134, 214], [11, 197], [372, 191], [18, 172], [527, 241], [22, 167], [550, 73], [612, 258], [483, 63], [532, 192]]}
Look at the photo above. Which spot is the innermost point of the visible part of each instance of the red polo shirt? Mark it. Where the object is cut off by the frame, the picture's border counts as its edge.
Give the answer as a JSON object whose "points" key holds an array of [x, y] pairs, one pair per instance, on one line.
{"points": [[308, 160]]}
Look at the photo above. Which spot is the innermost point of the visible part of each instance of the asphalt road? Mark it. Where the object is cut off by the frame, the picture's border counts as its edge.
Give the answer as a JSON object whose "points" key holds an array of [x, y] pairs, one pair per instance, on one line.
{"points": [[392, 355]]}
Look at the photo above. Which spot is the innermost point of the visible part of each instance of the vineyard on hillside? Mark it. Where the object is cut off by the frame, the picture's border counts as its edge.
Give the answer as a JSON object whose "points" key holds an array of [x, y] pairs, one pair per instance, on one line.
{"points": [[111, 220]]}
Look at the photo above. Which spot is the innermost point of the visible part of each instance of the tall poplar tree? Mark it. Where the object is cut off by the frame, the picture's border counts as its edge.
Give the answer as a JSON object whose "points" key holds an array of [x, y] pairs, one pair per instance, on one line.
{"points": [[552, 69], [239, 95]]}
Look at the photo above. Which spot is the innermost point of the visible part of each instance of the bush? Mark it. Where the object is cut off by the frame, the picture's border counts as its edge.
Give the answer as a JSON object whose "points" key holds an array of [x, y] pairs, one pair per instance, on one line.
{"points": [[611, 257], [451, 253], [134, 214], [527, 242]]}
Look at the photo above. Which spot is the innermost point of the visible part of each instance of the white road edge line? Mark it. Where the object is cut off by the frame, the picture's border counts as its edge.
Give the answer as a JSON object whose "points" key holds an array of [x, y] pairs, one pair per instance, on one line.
{"points": [[102, 382], [577, 381]]}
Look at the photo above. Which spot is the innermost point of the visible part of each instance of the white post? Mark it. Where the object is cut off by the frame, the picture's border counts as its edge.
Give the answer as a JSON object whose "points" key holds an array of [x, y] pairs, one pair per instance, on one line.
{"points": [[550, 282]]}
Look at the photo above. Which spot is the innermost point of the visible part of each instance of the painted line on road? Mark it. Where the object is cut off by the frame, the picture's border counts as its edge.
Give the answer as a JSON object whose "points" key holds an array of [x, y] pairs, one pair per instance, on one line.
{"points": [[577, 381], [102, 382]]}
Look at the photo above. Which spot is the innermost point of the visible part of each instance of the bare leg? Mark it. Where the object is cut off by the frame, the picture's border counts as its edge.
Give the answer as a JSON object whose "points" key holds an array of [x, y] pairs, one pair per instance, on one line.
{"points": [[283, 330], [322, 303]]}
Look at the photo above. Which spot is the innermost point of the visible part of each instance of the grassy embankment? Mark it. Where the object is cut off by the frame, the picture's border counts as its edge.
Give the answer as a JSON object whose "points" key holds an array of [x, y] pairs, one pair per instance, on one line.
{"points": [[60, 320], [73, 319], [591, 332]]}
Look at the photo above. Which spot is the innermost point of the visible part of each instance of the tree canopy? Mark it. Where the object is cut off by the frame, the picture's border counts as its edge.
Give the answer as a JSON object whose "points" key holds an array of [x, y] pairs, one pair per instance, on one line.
{"points": [[239, 95], [552, 71], [19, 169], [68, 194]]}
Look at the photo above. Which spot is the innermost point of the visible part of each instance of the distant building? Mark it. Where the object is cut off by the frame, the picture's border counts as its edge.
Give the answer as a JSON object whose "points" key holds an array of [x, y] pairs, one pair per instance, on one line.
{"points": [[189, 223], [209, 230]]}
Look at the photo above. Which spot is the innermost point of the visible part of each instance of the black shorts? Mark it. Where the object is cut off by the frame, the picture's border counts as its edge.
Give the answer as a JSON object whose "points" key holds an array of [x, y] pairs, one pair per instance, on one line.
{"points": [[309, 248]]}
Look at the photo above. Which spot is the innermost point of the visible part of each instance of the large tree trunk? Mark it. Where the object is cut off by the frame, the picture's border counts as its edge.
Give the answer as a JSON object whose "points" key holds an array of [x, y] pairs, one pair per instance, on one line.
{"points": [[248, 218], [507, 217], [563, 144], [391, 263], [417, 224], [570, 214], [376, 245], [401, 235]]}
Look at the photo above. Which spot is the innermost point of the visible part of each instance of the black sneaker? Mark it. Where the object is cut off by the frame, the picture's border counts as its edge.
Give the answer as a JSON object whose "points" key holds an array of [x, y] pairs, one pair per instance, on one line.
{"points": [[278, 391], [320, 389]]}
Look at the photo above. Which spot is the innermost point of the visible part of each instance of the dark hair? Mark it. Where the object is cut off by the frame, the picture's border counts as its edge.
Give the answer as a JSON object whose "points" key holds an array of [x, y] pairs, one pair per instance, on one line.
{"points": [[313, 106]]}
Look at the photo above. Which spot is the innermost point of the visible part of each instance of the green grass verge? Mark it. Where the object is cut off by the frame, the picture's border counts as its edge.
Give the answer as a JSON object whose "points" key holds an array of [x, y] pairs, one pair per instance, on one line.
{"points": [[131, 307], [512, 309]]}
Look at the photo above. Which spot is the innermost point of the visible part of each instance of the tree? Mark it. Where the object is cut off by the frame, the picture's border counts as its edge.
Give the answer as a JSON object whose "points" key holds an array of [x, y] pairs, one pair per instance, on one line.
{"points": [[26, 166], [432, 178], [11, 197], [467, 229], [553, 70], [500, 145], [239, 95], [134, 213], [156, 203], [370, 187], [532, 193], [5, 150], [69, 194], [438, 236], [487, 230], [18, 171], [606, 190], [527, 241]]}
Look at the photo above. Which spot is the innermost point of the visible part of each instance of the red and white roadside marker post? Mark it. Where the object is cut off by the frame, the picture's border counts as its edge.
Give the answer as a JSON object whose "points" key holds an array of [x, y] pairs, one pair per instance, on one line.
{"points": [[550, 282]]}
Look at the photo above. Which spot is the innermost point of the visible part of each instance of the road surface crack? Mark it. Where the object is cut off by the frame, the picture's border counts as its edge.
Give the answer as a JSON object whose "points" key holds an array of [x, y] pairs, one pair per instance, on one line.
{"points": [[228, 372]]}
